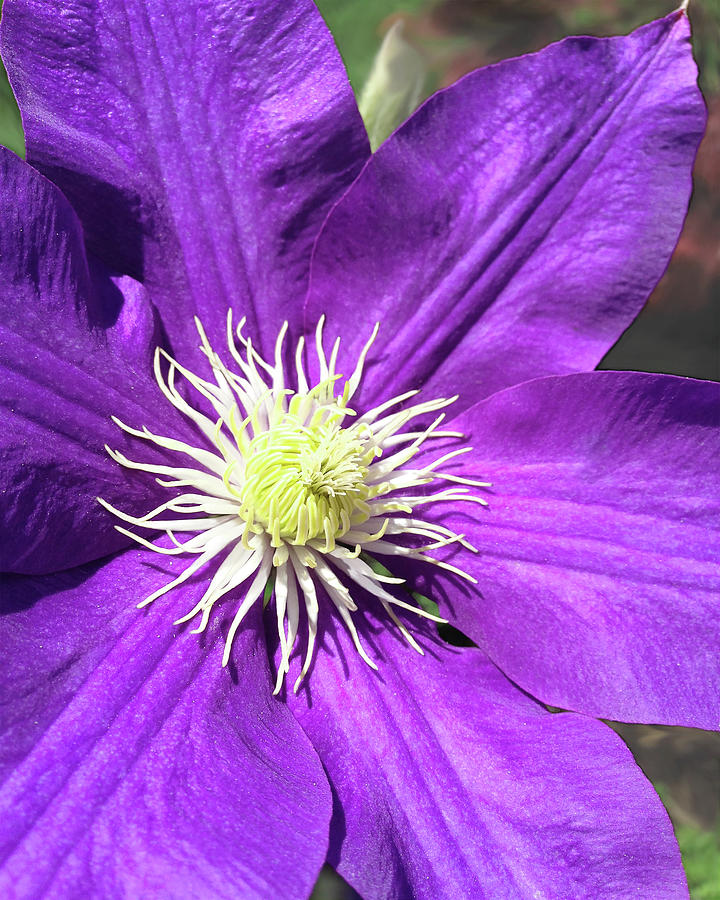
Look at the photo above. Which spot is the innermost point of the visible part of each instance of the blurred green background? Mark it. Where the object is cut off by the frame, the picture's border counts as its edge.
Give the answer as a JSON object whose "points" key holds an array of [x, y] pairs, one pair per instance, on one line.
{"points": [[679, 331]]}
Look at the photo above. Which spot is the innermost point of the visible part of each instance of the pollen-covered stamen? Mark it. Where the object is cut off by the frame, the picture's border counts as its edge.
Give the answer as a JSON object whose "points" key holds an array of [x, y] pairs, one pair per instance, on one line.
{"points": [[292, 482], [302, 482]]}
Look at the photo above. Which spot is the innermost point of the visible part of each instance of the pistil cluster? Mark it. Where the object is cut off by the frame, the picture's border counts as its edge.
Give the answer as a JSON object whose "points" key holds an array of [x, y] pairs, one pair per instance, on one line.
{"points": [[291, 487]]}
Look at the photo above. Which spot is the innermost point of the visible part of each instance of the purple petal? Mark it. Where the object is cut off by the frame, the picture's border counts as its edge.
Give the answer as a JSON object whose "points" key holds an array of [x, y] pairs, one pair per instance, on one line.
{"points": [[598, 578], [515, 225], [201, 144], [75, 348], [132, 764], [450, 782]]}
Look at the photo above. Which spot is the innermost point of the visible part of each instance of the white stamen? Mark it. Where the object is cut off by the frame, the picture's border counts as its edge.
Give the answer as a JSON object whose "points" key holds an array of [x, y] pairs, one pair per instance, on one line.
{"points": [[296, 484]]}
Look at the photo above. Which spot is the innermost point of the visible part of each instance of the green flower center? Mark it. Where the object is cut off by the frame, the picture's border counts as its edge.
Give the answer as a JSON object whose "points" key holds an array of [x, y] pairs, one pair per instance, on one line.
{"points": [[303, 482]]}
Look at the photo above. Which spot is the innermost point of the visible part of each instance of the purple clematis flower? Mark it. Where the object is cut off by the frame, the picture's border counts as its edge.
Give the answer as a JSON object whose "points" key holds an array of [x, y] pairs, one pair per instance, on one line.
{"points": [[184, 159]]}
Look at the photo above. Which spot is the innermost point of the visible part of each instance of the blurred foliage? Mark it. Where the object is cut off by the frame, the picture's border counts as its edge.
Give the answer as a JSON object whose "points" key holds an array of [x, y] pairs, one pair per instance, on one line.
{"points": [[330, 886], [355, 24], [700, 851], [11, 134], [701, 857], [684, 766], [462, 34]]}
